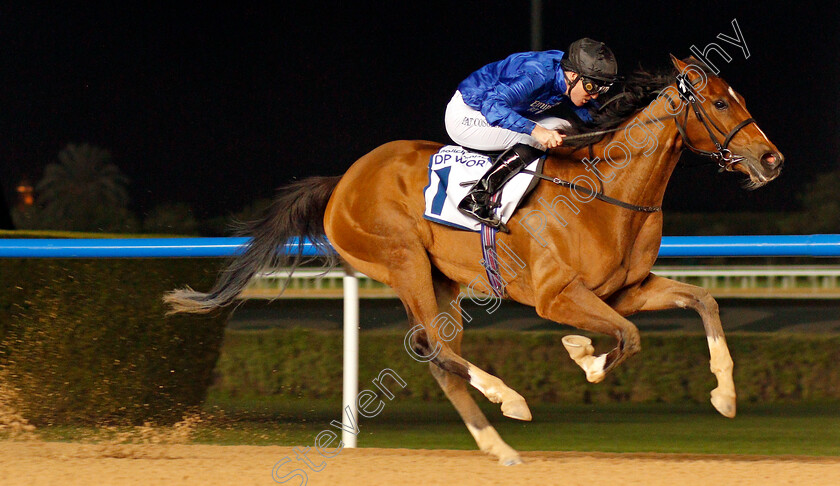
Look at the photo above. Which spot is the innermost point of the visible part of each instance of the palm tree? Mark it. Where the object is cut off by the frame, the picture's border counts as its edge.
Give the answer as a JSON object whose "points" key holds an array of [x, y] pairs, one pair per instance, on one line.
{"points": [[84, 191]]}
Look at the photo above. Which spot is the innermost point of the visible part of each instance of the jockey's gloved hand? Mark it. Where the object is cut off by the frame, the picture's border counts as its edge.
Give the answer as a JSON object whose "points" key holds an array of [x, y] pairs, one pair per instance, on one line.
{"points": [[547, 138]]}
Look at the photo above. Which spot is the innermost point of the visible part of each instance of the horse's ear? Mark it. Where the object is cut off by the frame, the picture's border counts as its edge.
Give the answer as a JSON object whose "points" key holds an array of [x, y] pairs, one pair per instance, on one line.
{"points": [[677, 63], [682, 64], [693, 60]]}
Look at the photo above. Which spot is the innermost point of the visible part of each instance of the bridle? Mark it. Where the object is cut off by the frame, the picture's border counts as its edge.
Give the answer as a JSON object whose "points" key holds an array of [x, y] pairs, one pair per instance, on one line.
{"points": [[724, 157]]}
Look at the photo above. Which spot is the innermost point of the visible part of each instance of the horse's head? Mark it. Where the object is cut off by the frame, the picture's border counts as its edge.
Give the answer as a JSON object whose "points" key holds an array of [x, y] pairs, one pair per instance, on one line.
{"points": [[716, 123]]}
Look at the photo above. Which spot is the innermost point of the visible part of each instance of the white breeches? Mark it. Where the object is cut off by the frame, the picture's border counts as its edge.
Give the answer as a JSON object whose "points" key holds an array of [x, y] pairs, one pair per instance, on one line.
{"points": [[469, 128]]}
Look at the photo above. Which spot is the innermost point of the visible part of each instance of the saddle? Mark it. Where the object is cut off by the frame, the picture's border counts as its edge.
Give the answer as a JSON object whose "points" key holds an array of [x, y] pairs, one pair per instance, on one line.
{"points": [[454, 169]]}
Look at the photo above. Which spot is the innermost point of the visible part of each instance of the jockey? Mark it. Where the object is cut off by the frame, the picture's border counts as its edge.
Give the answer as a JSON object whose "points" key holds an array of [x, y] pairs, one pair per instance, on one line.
{"points": [[498, 107]]}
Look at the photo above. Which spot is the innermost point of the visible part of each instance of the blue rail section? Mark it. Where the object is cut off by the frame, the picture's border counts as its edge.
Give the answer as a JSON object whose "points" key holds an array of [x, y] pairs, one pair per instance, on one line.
{"points": [[750, 246], [672, 247], [136, 248]]}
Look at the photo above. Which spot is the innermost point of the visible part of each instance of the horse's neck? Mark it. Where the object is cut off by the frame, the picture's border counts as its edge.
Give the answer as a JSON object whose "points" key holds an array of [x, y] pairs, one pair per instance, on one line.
{"points": [[639, 179]]}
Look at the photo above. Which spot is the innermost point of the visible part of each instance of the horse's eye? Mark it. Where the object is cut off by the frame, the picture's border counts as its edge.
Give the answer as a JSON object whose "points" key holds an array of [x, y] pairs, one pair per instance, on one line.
{"points": [[721, 105]]}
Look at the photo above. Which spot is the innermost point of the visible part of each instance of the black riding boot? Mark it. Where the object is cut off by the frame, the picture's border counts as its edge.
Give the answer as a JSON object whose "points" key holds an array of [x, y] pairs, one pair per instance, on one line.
{"points": [[477, 202]]}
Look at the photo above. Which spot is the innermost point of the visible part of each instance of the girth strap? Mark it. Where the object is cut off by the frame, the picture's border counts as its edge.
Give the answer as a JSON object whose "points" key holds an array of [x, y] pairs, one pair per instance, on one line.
{"points": [[490, 262]]}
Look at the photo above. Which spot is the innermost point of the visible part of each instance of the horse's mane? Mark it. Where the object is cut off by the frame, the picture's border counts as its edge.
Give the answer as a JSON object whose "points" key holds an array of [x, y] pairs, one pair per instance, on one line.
{"points": [[634, 93]]}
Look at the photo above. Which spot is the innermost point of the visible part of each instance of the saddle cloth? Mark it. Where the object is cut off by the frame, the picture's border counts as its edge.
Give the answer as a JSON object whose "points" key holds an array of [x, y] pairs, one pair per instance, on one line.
{"points": [[451, 166]]}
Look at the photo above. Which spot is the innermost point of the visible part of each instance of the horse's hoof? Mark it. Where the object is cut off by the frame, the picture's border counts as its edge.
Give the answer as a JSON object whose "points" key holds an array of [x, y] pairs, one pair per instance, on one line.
{"points": [[578, 346], [510, 461], [725, 404], [595, 375], [517, 409], [581, 351]]}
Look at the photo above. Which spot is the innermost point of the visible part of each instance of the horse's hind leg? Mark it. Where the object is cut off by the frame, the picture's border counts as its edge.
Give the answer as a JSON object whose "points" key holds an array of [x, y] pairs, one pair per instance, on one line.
{"points": [[414, 286], [455, 387]]}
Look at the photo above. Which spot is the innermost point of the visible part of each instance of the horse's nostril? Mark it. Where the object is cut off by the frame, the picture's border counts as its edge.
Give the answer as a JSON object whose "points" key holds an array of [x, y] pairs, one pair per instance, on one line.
{"points": [[771, 160]]}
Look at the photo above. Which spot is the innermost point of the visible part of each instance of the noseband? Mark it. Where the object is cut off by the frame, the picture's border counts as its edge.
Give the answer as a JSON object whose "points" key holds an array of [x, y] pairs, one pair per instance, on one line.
{"points": [[724, 157]]}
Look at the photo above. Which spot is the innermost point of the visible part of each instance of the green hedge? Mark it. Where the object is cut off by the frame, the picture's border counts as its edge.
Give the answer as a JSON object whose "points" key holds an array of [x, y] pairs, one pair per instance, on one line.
{"points": [[86, 341], [672, 367]]}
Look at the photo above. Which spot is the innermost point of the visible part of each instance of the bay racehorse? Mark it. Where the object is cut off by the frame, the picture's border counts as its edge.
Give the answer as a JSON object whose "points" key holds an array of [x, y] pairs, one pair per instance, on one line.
{"points": [[587, 264]]}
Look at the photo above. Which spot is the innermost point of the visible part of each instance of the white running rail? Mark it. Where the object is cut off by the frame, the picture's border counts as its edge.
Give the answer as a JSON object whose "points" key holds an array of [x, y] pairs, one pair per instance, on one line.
{"points": [[820, 281]]}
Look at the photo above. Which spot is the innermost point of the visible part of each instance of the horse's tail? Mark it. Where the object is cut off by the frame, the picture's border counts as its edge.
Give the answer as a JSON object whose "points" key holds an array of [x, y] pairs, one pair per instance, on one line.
{"points": [[299, 211]]}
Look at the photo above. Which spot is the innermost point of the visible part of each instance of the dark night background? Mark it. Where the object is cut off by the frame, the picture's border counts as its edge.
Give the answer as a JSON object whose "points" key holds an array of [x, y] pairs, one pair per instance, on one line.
{"points": [[216, 107]]}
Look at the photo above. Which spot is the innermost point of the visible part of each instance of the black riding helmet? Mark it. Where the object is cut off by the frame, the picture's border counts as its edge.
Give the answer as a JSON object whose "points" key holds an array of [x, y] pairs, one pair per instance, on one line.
{"points": [[593, 61]]}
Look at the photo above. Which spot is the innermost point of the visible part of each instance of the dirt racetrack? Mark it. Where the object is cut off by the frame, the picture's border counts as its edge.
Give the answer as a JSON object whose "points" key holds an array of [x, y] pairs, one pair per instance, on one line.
{"points": [[35, 463]]}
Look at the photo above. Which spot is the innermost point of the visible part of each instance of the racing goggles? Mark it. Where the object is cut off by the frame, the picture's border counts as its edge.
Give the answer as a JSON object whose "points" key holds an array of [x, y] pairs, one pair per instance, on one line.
{"points": [[595, 87]]}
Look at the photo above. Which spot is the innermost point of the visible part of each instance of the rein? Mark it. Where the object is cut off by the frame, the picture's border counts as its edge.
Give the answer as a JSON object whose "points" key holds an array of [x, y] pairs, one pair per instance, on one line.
{"points": [[724, 157], [597, 195]]}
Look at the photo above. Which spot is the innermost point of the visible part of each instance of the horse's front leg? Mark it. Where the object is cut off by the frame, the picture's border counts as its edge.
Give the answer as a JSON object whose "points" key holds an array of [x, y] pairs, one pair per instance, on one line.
{"points": [[658, 293], [578, 306]]}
